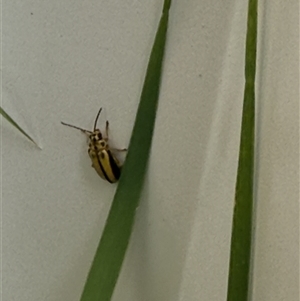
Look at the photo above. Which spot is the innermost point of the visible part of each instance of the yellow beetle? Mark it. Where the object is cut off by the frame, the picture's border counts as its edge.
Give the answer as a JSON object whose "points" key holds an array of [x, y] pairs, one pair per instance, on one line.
{"points": [[104, 161]]}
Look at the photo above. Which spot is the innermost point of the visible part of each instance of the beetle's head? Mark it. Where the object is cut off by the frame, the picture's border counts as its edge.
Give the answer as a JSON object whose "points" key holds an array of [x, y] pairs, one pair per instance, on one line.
{"points": [[96, 136]]}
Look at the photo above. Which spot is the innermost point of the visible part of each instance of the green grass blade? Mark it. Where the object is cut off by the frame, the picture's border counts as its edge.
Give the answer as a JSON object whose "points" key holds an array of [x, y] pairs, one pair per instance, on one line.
{"points": [[108, 260], [8, 118], [239, 267]]}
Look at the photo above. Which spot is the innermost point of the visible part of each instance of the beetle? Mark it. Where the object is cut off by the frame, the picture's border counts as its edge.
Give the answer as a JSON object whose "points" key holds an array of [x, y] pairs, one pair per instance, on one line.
{"points": [[104, 161]]}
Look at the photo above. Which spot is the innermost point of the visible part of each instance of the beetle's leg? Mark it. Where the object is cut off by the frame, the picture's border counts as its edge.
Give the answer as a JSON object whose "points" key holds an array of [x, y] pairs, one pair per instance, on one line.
{"points": [[118, 149], [106, 139], [106, 130]]}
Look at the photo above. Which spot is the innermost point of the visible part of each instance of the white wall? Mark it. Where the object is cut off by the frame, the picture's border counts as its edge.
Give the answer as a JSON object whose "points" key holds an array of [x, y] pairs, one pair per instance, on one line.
{"points": [[62, 60]]}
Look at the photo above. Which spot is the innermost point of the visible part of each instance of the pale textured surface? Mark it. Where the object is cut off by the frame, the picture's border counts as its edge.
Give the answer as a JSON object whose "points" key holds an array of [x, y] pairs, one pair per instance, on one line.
{"points": [[62, 61]]}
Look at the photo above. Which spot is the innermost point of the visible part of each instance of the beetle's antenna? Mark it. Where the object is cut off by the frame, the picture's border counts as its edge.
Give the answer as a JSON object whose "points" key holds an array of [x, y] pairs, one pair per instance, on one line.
{"points": [[95, 124], [76, 127]]}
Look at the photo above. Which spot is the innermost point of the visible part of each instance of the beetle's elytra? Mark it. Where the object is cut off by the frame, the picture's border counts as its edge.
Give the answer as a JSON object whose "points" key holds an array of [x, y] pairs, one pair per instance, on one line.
{"points": [[104, 161]]}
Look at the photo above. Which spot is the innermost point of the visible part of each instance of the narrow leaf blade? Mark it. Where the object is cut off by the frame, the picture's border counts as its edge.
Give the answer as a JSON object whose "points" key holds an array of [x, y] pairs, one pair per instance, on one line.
{"points": [[9, 119], [109, 257], [239, 267]]}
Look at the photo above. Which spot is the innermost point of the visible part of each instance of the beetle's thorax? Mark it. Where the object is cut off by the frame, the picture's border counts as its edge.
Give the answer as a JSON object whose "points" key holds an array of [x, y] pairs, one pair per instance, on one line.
{"points": [[97, 142]]}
